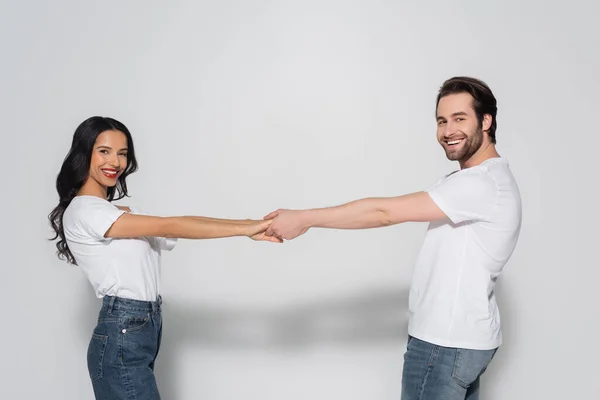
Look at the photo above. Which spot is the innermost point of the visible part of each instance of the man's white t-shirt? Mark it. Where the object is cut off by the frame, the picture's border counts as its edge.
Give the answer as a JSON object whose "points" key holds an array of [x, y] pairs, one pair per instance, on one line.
{"points": [[127, 268], [452, 301]]}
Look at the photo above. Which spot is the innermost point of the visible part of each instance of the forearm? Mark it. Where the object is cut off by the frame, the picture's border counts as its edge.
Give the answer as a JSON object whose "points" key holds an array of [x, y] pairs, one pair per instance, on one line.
{"points": [[224, 221], [203, 228], [376, 212], [358, 214]]}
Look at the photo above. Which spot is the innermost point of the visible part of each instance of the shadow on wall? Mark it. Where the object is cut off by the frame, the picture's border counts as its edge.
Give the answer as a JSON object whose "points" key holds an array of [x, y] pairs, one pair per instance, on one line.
{"points": [[375, 317], [372, 317]]}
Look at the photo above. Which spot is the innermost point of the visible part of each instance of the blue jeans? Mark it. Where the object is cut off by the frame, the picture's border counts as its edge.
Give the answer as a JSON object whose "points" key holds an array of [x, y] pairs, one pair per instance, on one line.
{"points": [[442, 373], [123, 349]]}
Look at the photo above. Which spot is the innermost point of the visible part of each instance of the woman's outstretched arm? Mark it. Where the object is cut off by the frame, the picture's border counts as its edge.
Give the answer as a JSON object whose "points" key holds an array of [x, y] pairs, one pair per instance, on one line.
{"points": [[187, 227]]}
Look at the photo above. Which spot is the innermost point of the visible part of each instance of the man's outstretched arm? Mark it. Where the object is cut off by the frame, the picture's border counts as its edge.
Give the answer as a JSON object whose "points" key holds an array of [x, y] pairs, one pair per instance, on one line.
{"points": [[358, 214]]}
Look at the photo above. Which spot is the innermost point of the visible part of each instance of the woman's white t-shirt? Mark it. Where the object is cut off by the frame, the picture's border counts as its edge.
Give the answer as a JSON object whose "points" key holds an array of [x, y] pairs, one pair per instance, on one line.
{"points": [[127, 268]]}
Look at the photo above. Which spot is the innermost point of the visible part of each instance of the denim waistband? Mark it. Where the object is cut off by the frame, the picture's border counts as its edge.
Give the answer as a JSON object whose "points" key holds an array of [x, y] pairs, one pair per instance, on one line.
{"points": [[110, 303]]}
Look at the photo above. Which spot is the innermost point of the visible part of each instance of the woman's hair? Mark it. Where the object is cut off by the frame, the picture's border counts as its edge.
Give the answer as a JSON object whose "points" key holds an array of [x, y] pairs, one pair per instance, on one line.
{"points": [[75, 170]]}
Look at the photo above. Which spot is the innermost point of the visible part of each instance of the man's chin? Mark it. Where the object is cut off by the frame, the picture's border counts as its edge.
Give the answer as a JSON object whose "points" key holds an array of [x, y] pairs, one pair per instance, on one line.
{"points": [[453, 156]]}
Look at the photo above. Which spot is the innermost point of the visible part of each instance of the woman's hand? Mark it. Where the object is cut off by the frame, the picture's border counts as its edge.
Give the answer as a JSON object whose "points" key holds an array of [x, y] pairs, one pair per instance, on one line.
{"points": [[256, 230]]}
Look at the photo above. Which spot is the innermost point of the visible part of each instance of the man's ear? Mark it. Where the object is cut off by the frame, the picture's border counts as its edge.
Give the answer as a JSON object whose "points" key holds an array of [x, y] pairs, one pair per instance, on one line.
{"points": [[486, 123]]}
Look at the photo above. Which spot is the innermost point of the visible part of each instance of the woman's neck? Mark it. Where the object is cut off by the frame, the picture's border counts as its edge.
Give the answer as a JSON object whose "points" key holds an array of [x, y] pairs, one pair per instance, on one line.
{"points": [[93, 188]]}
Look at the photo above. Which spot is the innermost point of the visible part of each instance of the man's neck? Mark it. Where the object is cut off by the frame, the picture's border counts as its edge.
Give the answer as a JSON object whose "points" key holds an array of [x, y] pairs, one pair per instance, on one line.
{"points": [[485, 152]]}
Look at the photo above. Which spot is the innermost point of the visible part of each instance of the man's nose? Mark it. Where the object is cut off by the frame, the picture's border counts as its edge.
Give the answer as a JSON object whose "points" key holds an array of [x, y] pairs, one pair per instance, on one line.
{"points": [[449, 129]]}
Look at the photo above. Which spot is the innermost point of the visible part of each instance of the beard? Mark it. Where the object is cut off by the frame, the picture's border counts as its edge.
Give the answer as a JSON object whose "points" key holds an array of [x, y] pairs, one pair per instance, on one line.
{"points": [[469, 147]]}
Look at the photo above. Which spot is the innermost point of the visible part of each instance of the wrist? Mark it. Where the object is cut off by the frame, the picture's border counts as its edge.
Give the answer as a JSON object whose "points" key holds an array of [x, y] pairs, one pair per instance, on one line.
{"points": [[309, 218]]}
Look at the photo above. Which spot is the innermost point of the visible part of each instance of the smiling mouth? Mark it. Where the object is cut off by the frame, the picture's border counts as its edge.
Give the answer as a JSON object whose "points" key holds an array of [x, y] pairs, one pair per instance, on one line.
{"points": [[453, 143], [110, 173]]}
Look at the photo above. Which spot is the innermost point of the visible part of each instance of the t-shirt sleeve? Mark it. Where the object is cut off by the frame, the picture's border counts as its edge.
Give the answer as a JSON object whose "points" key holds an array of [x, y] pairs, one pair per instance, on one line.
{"points": [[166, 244], [95, 217], [468, 195]]}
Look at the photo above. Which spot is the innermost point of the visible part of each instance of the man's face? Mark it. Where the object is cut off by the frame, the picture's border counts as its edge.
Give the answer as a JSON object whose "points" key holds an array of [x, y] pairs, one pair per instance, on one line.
{"points": [[458, 130]]}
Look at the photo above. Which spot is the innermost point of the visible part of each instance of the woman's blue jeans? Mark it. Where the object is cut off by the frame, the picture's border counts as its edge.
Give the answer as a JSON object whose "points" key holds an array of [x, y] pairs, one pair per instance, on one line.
{"points": [[123, 349]]}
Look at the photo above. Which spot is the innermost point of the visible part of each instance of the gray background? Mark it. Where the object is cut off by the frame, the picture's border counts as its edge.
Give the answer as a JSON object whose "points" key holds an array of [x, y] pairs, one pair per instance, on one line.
{"points": [[241, 107]]}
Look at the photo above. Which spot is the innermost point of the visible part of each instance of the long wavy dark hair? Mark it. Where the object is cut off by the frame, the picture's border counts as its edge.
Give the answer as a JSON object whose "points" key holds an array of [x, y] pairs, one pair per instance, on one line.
{"points": [[75, 170]]}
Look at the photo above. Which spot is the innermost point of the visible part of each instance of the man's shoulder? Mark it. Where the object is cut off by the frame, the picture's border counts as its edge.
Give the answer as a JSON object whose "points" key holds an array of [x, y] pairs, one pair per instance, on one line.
{"points": [[471, 176]]}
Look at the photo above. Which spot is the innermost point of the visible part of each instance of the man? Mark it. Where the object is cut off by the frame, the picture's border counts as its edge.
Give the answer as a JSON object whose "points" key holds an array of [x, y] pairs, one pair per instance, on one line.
{"points": [[474, 217]]}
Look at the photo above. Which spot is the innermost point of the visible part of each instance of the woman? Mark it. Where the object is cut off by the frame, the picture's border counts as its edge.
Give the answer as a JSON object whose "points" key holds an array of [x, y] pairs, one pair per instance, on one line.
{"points": [[119, 251]]}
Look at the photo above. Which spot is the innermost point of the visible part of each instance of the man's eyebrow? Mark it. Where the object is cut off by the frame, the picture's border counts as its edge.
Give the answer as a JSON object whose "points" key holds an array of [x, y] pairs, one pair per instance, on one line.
{"points": [[456, 114]]}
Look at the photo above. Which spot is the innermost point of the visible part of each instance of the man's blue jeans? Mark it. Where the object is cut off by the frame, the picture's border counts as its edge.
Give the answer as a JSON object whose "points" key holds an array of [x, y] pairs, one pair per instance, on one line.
{"points": [[123, 348], [442, 373]]}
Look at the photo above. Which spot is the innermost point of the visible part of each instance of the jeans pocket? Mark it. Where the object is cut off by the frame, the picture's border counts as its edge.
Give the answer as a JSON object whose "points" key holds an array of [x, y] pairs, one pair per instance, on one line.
{"points": [[470, 364], [132, 323], [138, 340], [95, 356]]}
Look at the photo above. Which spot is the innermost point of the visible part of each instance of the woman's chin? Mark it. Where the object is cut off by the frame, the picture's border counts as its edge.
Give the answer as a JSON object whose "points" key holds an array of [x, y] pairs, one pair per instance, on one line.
{"points": [[109, 183]]}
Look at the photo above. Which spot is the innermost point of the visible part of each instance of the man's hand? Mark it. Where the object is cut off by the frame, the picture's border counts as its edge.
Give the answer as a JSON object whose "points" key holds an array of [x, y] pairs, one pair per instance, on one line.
{"points": [[256, 231], [287, 224]]}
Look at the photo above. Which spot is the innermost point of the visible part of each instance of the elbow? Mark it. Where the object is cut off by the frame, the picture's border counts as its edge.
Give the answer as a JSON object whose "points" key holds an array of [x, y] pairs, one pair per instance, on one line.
{"points": [[388, 216], [384, 218], [168, 227]]}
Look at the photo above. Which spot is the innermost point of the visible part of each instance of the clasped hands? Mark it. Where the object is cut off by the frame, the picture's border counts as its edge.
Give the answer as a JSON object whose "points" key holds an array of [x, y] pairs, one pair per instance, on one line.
{"points": [[281, 225]]}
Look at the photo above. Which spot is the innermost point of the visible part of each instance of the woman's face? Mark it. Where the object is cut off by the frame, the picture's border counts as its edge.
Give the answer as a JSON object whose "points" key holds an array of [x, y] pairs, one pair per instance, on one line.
{"points": [[109, 158]]}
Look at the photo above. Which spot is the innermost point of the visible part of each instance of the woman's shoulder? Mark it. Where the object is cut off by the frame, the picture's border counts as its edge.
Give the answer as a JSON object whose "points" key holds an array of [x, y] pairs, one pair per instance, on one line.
{"points": [[90, 215], [84, 205], [82, 202]]}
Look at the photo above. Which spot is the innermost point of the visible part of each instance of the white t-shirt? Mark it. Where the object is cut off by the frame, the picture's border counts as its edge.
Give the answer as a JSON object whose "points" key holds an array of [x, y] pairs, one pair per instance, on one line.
{"points": [[128, 268], [452, 301]]}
